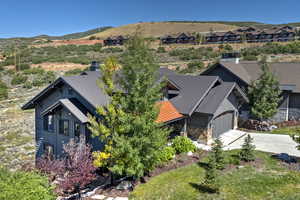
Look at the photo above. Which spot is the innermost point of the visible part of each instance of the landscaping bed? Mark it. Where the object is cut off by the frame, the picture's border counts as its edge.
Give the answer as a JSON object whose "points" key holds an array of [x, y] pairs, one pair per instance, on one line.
{"points": [[179, 161], [264, 178]]}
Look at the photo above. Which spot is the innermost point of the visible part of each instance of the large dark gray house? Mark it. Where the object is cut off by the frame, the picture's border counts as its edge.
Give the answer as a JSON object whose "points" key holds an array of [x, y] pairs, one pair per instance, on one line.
{"points": [[200, 107], [244, 72]]}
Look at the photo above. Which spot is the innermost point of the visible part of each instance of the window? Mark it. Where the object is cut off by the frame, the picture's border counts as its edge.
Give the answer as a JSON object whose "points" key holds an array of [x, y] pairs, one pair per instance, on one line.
{"points": [[64, 127], [49, 123], [48, 151], [77, 129]]}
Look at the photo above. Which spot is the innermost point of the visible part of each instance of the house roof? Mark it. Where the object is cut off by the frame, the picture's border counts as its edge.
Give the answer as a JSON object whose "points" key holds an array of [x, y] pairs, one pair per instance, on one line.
{"points": [[167, 112], [216, 96], [86, 86], [287, 73], [192, 90], [71, 107]]}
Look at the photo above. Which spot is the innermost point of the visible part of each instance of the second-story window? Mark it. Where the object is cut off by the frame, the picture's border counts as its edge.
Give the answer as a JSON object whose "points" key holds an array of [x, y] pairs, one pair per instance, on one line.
{"points": [[49, 123], [64, 127]]}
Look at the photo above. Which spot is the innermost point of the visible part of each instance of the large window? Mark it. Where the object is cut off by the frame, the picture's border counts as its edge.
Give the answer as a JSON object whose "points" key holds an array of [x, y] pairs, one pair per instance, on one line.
{"points": [[64, 127], [77, 129], [49, 123]]}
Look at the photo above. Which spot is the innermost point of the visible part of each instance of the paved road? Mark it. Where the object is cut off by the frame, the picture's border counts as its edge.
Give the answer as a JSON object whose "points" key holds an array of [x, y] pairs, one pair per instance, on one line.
{"points": [[273, 143]]}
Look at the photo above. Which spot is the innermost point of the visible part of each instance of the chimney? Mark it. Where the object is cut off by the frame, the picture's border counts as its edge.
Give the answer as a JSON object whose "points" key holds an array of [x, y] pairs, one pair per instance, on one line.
{"points": [[94, 66]]}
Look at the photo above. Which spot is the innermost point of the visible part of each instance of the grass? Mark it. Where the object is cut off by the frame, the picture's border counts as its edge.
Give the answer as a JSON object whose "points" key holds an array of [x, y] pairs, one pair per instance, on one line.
{"points": [[292, 130], [269, 181]]}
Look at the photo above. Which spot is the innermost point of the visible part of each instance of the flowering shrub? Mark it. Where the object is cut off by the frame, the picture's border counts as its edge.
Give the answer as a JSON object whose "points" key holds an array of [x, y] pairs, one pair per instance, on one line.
{"points": [[75, 170], [183, 144], [100, 158]]}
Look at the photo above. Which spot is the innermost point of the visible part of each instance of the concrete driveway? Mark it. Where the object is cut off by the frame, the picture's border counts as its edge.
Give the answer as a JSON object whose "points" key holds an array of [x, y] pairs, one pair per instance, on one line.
{"points": [[273, 143]]}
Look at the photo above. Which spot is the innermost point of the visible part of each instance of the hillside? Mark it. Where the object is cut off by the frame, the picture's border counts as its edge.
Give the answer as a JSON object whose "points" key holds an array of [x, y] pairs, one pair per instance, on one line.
{"points": [[157, 29]]}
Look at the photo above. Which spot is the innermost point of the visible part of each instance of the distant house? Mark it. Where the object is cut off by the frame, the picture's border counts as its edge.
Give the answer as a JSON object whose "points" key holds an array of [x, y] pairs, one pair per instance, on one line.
{"points": [[200, 107], [251, 34], [181, 38], [244, 72], [116, 40]]}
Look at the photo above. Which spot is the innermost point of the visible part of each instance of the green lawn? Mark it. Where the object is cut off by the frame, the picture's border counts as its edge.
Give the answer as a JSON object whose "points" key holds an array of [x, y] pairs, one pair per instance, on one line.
{"points": [[293, 130], [269, 181]]}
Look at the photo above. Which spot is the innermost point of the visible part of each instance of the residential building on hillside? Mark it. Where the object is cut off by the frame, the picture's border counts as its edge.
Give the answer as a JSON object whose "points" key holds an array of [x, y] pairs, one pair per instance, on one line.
{"points": [[251, 34], [180, 38], [199, 107], [116, 40], [243, 73]]}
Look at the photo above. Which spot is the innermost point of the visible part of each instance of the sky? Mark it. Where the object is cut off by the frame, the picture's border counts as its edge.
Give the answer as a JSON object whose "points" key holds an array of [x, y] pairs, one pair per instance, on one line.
{"points": [[58, 17]]}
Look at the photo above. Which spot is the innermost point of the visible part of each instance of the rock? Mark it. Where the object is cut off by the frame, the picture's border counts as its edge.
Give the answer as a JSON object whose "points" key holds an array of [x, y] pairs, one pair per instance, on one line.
{"points": [[273, 127], [98, 196], [190, 153], [285, 158], [121, 198], [124, 185]]}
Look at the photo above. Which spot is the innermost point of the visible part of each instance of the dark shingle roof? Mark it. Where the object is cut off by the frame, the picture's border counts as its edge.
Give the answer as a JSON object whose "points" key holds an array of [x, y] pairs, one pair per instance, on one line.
{"points": [[215, 97], [287, 73], [86, 86], [192, 91], [71, 107]]}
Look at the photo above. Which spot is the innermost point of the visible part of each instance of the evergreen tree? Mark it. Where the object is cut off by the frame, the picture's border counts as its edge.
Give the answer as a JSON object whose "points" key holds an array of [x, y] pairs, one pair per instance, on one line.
{"points": [[218, 154], [210, 178], [264, 94], [129, 129], [247, 151]]}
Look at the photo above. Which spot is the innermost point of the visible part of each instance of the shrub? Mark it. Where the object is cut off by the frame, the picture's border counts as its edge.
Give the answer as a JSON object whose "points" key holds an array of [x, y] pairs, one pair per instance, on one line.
{"points": [[73, 72], [18, 79], [218, 154], [250, 57], [3, 90], [100, 159], [161, 50], [211, 174], [247, 151], [183, 144], [36, 70], [22, 67], [75, 170], [27, 85], [195, 65], [24, 185], [166, 154]]}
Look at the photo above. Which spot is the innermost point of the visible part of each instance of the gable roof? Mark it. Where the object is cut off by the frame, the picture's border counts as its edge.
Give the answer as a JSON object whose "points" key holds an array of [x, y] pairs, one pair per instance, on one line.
{"points": [[216, 96], [86, 86], [192, 89], [70, 106], [167, 112], [287, 73]]}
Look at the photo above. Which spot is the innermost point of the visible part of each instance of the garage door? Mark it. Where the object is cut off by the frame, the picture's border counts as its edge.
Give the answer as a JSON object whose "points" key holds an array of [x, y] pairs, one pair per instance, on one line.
{"points": [[222, 123]]}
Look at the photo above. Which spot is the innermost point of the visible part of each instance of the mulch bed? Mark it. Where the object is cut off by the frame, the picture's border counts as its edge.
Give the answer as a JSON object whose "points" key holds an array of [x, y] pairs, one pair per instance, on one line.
{"points": [[258, 163]]}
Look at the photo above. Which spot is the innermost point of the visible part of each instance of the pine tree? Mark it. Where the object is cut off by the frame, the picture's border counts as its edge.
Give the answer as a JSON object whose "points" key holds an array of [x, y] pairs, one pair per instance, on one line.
{"points": [[128, 128], [264, 94], [247, 151], [218, 154], [211, 173]]}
